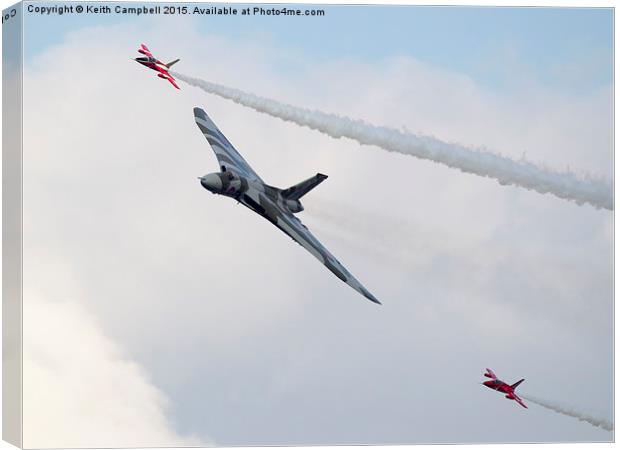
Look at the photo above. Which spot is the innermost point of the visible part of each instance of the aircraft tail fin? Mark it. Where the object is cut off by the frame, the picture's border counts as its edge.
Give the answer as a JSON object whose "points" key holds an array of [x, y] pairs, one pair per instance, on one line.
{"points": [[514, 386], [298, 190], [172, 63]]}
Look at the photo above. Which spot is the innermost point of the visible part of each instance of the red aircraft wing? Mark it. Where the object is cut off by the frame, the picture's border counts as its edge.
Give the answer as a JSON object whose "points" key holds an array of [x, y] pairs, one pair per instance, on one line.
{"points": [[167, 76], [490, 374], [144, 50], [173, 82], [519, 401]]}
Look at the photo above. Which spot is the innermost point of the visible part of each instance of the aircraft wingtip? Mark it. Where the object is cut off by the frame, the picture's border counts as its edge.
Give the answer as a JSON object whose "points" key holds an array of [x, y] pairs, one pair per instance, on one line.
{"points": [[371, 297], [199, 112], [362, 290]]}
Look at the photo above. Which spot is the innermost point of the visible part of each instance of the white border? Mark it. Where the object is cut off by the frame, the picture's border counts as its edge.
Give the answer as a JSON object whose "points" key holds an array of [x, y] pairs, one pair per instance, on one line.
{"points": [[546, 3]]}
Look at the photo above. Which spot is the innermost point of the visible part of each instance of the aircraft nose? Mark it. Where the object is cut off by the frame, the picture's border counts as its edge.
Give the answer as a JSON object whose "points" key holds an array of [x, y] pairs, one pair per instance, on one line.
{"points": [[212, 182]]}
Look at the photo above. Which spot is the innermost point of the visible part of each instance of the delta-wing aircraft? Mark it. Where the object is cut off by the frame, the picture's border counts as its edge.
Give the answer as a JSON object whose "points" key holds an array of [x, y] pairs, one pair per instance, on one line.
{"points": [[499, 385], [237, 180], [151, 62]]}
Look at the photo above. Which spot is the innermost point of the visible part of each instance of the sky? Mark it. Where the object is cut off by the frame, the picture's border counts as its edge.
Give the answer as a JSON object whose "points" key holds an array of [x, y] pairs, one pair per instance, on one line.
{"points": [[547, 44], [200, 318]]}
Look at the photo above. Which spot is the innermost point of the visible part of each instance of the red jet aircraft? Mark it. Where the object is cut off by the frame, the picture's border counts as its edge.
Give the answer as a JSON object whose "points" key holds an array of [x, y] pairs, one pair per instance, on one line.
{"points": [[499, 385], [151, 62]]}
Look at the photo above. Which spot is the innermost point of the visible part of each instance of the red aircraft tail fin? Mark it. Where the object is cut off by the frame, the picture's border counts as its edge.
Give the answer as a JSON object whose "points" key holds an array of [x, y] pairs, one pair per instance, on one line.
{"points": [[514, 386], [170, 64]]}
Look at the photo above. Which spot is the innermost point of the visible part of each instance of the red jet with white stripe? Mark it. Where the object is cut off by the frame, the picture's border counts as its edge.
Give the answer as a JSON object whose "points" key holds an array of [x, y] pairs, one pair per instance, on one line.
{"points": [[151, 62], [499, 385]]}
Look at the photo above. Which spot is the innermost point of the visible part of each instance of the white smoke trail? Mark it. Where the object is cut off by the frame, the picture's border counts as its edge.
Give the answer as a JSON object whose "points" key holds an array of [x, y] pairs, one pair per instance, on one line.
{"points": [[597, 422], [506, 171]]}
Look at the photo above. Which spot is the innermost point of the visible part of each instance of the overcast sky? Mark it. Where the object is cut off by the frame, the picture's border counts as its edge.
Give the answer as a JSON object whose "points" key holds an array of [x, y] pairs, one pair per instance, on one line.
{"points": [[201, 318]]}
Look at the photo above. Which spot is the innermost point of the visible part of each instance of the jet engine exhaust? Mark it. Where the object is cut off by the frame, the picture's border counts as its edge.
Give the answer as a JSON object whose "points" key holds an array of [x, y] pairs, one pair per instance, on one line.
{"points": [[506, 171], [594, 421]]}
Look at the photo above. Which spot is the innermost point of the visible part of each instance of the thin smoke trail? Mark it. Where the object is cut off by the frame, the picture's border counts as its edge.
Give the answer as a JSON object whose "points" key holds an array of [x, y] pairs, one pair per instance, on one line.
{"points": [[597, 422], [506, 171]]}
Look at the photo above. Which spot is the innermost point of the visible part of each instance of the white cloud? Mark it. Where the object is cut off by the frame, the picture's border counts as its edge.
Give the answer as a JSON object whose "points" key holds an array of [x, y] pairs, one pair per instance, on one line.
{"points": [[81, 389]]}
